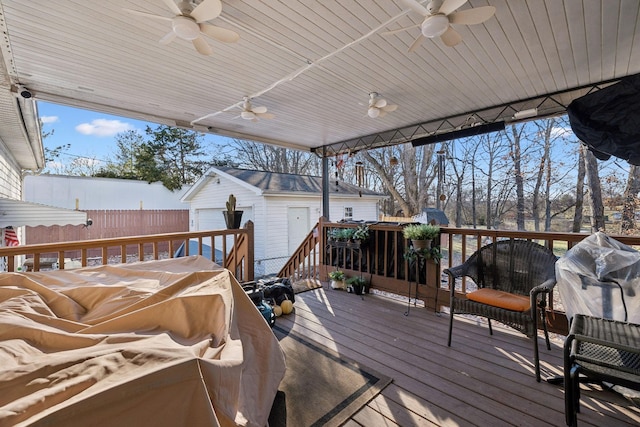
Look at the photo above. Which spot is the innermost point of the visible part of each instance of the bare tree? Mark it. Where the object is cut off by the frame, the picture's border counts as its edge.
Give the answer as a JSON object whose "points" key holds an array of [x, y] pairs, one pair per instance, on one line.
{"points": [[265, 157], [416, 170], [595, 192], [579, 207], [630, 199], [514, 136]]}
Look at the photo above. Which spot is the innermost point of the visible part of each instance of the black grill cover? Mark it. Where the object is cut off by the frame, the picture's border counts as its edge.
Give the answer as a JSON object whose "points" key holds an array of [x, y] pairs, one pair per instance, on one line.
{"points": [[608, 121]]}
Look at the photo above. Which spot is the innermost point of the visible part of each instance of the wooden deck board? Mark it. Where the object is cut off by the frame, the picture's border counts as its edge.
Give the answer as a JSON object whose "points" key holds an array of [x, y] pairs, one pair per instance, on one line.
{"points": [[480, 380]]}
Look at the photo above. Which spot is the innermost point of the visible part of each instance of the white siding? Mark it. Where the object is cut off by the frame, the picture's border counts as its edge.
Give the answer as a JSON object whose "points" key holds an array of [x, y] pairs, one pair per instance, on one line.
{"points": [[99, 193], [10, 178]]}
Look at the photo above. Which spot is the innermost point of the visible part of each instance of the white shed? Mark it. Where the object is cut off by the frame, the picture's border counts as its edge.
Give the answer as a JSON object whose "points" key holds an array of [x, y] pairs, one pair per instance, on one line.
{"points": [[283, 208]]}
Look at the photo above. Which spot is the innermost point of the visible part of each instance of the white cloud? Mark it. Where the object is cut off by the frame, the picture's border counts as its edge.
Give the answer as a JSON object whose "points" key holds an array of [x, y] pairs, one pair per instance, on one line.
{"points": [[561, 132], [103, 127], [49, 119]]}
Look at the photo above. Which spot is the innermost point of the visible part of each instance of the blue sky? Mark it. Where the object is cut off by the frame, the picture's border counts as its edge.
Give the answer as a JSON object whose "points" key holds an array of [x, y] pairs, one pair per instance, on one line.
{"points": [[90, 133]]}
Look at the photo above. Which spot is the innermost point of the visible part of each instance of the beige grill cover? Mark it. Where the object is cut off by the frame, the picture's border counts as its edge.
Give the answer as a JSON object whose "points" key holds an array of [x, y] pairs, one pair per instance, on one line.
{"points": [[165, 343]]}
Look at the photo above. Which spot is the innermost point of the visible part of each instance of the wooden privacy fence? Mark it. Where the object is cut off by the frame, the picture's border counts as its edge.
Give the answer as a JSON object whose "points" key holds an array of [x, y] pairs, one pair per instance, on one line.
{"points": [[108, 224]]}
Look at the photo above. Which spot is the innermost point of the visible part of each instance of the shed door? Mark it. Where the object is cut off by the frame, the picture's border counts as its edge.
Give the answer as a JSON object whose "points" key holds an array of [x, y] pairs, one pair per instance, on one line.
{"points": [[298, 227]]}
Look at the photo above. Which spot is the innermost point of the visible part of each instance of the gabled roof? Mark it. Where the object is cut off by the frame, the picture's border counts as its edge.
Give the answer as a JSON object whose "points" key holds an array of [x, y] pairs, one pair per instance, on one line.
{"points": [[273, 183]]}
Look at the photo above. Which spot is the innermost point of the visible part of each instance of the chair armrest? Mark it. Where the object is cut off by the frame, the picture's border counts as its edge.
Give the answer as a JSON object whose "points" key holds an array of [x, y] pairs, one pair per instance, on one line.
{"points": [[457, 271], [544, 289]]}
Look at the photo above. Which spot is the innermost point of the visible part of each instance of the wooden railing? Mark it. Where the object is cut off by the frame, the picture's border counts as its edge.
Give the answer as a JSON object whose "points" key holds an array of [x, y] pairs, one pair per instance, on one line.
{"points": [[235, 247], [382, 260], [305, 260]]}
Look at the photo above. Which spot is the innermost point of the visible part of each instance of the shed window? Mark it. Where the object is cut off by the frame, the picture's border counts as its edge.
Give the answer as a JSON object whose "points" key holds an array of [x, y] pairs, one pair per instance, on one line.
{"points": [[348, 213]]}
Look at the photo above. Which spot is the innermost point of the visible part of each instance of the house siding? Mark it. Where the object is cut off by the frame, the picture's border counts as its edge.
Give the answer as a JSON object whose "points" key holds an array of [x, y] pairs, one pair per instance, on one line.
{"points": [[10, 176]]}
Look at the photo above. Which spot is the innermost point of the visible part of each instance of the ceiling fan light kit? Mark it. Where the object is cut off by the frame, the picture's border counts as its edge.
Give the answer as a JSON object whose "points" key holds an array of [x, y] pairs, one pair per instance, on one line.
{"points": [[185, 28], [434, 26]]}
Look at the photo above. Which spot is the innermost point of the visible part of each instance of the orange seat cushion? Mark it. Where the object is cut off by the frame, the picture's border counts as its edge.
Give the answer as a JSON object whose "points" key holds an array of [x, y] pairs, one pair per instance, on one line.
{"points": [[500, 299]]}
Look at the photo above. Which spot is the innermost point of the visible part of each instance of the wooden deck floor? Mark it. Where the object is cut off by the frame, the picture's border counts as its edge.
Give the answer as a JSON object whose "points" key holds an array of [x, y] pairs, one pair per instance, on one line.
{"points": [[481, 380]]}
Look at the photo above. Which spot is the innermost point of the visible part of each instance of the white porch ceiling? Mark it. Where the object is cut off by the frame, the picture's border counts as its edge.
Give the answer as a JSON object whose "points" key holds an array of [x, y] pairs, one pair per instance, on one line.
{"points": [[313, 64]]}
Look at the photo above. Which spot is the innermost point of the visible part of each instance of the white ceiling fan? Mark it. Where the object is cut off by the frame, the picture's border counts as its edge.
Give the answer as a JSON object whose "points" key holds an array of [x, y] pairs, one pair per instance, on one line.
{"points": [[378, 106], [189, 23], [438, 17], [252, 113]]}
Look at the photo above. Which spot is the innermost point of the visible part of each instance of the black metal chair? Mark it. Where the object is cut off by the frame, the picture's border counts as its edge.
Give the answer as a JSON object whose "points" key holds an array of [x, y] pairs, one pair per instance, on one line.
{"points": [[514, 278], [600, 350]]}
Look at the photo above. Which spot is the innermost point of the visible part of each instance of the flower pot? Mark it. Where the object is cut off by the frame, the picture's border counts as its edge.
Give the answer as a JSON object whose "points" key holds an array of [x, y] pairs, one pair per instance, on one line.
{"points": [[421, 244], [233, 219], [337, 284], [357, 289]]}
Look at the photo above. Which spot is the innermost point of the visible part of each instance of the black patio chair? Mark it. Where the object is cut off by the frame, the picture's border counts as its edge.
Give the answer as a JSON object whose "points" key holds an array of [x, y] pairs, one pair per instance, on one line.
{"points": [[514, 278], [599, 350]]}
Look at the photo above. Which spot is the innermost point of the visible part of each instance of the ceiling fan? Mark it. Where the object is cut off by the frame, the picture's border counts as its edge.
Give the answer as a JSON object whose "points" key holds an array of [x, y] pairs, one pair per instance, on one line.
{"points": [[378, 106], [189, 23], [252, 113], [438, 17]]}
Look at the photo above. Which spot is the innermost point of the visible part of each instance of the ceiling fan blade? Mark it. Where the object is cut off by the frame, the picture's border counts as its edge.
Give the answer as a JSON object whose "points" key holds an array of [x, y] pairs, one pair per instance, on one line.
{"points": [[416, 7], [248, 115], [220, 34], [207, 10], [450, 5], [416, 43], [259, 110], [389, 108], [265, 115], [380, 103], [451, 37], [202, 46], [147, 15], [173, 7], [168, 38], [472, 16], [399, 30]]}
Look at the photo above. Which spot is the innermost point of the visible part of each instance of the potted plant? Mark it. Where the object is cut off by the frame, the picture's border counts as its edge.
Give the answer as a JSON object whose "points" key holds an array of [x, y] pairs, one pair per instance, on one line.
{"points": [[356, 285], [336, 278], [421, 234], [232, 217], [361, 233]]}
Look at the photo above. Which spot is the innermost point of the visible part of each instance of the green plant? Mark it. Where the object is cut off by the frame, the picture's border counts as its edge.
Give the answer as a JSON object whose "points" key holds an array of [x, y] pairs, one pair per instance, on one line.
{"points": [[420, 231], [411, 254], [337, 275], [231, 203], [357, 280], [345, 233], [361, 232]]}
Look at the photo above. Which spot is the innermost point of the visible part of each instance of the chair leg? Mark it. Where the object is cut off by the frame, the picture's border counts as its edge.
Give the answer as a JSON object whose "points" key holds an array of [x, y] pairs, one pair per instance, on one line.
{"points": [[543, 319], [569, 385], [536, 355], [450, 322], [490, 328], [574, 373]]}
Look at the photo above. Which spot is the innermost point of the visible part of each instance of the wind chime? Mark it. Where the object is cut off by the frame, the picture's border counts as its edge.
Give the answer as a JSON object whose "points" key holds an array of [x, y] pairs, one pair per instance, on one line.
{"points": [[359, 173]]}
